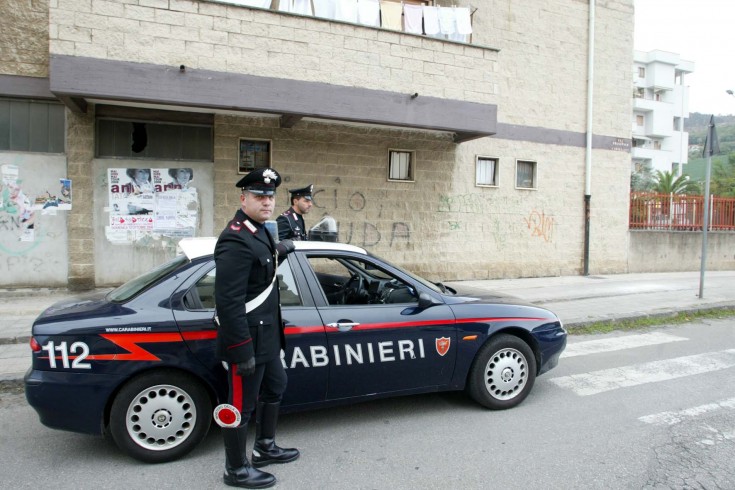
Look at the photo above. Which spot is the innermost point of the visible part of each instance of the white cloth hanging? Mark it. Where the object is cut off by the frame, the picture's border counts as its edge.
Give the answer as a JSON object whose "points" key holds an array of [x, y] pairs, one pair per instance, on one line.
{"points": [[447, 21], [464, 21], [324, 8], [346, 10], [285, 5], [368, 12], [413, 16], [390, 15], [431, 20], [302, 7], [263, 4]]}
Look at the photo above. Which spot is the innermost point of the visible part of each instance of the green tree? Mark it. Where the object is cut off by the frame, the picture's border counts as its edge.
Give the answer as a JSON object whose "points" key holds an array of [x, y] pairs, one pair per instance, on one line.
{"points": [[722, 183], [667, 184], [641, 179]]}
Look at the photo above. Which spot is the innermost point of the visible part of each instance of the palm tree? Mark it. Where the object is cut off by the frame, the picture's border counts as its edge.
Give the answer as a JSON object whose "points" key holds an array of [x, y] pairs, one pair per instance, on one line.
{"points": [[667, 184]]}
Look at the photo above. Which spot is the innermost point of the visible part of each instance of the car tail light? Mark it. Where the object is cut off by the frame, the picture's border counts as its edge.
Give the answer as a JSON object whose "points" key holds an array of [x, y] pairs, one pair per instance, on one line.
{"points": [[35, 346]]}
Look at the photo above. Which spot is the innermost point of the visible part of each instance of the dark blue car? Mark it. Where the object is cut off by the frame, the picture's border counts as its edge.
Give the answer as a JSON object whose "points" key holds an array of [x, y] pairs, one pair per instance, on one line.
{"points": [[139, 363]]}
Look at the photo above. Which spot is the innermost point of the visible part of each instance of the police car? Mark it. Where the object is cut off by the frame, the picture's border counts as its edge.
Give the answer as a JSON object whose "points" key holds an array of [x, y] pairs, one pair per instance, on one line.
{"points": [[138, 362]]}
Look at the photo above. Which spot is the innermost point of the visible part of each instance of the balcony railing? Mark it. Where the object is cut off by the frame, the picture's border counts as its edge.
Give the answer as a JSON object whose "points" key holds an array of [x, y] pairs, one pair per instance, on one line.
{"points": [[680, 212]]}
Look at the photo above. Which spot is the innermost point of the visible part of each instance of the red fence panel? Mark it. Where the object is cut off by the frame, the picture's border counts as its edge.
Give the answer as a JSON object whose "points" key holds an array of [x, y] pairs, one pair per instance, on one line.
{"points": [[649, 211]]}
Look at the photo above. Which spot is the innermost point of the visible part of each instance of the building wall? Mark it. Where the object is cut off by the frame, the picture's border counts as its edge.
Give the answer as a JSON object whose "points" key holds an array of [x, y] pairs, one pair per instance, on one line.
{"points": [[652, 251], [24, 37], [33, 242], [529, 58]]}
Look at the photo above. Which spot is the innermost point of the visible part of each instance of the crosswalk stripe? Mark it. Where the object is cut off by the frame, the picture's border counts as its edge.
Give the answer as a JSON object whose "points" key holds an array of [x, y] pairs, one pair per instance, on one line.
{"points": [[598, 346], [611, 379], [671, 418]]}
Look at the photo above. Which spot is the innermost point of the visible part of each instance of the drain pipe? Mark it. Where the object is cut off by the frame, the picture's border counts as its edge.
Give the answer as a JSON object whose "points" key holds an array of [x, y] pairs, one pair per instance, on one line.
{"points": [[588, 155]]}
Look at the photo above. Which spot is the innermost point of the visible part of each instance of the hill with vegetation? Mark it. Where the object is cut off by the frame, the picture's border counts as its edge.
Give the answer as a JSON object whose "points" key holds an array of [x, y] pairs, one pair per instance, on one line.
{"points": [[722, 179]]}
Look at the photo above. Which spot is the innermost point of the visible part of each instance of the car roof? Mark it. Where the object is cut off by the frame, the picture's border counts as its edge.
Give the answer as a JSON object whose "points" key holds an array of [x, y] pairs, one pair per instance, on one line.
{"points": [[195, 247]]}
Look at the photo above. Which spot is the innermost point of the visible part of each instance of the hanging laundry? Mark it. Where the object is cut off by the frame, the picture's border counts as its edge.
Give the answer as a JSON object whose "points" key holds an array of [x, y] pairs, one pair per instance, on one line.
{"points": [[431, 20], [464, 22], [413, 16], [390, 15], [324, 8], [447, 20], [263, 4], [368, 12], [285, 5], [302, 7], [346, 10]]}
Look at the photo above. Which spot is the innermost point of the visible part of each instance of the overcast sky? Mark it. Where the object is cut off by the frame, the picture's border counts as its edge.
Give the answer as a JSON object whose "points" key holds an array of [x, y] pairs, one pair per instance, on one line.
{"points": [[702, 31]]}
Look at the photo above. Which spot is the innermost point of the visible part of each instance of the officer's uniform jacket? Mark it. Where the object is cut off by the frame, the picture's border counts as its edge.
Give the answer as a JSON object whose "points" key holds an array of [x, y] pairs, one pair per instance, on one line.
{"points": [[246, 259], [291, 225]]}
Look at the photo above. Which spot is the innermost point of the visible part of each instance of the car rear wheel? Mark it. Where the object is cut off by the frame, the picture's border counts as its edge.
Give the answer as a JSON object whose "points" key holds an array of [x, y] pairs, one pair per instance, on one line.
{"points": [[502, 373], [160, 416]]}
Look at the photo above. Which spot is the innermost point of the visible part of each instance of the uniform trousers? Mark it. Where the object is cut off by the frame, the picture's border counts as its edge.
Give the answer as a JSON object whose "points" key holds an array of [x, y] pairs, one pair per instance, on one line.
{"points": [[266, 385]]}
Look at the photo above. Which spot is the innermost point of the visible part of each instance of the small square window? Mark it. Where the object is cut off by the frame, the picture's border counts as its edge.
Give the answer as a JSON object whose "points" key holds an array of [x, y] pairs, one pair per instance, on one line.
{"points": [[639, 120], [641, 72], [526, 174], [486, 172], [400, 166]]}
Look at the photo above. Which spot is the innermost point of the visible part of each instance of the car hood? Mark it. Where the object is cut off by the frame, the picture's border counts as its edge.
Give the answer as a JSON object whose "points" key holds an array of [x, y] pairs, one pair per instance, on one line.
{"points": [[467, 294]]}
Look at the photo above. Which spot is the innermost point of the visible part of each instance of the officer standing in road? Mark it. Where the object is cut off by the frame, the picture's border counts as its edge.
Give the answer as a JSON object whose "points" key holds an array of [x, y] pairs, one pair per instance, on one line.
{"points": [[250, 334], [291, 223]]}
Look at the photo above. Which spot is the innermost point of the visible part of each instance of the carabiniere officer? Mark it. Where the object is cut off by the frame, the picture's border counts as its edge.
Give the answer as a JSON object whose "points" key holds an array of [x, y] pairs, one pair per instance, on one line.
{"points": [[250, 333]]}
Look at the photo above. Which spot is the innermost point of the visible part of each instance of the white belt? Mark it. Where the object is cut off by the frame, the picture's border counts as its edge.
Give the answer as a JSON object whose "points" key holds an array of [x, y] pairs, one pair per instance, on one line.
{"points": [[260, 299]]}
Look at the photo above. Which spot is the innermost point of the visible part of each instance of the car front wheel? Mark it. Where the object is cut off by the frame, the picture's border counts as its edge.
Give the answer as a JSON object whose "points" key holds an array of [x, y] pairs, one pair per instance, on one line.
{"points": [[160, 416], [502, 373]]}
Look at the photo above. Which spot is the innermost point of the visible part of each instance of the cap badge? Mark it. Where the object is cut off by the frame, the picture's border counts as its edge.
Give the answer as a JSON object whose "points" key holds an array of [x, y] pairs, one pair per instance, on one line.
{"points": [[268, 174]]}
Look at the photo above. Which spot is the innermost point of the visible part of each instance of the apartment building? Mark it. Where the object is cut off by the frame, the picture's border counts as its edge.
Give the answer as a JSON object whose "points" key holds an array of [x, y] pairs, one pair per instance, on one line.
{"points": [[660, 105], [454, 141]]}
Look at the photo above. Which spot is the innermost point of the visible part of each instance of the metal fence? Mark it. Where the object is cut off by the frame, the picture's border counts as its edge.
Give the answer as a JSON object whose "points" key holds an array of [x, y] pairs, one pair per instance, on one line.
{"points": [[680, 212]]}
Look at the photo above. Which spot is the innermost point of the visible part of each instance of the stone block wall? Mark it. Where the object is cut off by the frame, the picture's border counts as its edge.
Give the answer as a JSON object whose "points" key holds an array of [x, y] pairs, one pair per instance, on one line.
{"points": [[24, 37]]}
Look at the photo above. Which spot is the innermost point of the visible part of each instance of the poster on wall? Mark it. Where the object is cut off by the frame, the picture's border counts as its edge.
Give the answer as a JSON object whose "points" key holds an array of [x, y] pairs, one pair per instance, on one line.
{"points": [[151, 200], [49, 203]]}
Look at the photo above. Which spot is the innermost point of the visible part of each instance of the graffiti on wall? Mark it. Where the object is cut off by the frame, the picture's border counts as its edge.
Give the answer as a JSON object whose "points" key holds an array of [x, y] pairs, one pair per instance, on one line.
{"points": [[357, 229], [540, 224], [21, 229]]}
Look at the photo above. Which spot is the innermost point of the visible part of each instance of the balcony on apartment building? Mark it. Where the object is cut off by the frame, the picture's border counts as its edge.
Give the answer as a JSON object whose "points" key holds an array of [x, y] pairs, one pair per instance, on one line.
{"points": [[426, 18]]}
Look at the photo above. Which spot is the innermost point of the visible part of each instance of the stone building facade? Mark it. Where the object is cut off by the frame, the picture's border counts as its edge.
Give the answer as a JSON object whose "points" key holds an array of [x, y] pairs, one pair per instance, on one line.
{"points": [[333, 99]]}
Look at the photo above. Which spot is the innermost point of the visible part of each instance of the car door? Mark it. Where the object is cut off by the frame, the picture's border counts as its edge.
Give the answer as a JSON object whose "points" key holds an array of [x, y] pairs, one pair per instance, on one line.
{"points": [[305, 336], [379, 339]]}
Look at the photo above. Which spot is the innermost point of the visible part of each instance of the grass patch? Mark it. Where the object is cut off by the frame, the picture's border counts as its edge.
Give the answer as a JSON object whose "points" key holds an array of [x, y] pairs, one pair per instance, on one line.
{"points": [[651, 321]]}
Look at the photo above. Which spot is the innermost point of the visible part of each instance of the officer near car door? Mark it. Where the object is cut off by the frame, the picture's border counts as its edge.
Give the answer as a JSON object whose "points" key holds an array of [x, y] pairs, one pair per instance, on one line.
{"points": [[291, 222], [250, 333]]}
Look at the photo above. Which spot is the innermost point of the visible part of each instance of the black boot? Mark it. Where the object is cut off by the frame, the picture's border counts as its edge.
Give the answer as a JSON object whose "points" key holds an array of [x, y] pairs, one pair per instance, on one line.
{"points": [[238, 472], [265, 451]]}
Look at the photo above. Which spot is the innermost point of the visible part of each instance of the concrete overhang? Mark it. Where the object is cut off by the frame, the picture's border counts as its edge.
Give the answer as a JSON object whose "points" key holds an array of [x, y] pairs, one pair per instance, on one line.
{"points": [[78, 80]]}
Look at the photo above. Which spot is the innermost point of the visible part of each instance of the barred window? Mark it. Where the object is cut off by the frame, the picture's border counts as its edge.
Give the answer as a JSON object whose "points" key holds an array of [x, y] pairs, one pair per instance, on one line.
{"points": [[29, 125]]}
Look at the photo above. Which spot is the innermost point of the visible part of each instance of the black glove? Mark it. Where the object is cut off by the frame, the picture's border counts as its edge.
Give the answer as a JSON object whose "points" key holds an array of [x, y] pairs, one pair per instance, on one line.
{"points": [[246, 368], [285, 247]]}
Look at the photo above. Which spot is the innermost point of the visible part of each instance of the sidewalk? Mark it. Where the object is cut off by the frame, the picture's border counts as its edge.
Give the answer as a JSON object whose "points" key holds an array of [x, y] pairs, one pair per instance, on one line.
{"points": [[577, 300]]}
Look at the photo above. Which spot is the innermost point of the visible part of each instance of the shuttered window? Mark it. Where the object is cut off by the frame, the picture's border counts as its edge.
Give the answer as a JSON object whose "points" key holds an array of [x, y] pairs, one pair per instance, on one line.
{"points": [[34, 126]]}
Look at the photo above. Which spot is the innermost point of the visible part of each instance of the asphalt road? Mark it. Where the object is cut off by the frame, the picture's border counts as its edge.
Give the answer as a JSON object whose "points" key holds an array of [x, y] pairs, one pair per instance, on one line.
{"points": [[648, 409]]}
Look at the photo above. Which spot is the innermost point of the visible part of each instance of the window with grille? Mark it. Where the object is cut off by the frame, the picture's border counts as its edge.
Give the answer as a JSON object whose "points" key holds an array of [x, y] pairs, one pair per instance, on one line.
{"points": [[486, 171], [152, 140], [401, 165], [526, 174], [29, 125]]}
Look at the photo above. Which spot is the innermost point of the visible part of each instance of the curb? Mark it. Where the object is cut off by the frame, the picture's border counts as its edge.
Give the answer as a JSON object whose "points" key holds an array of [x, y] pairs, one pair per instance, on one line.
{"points": [[665, 314]]}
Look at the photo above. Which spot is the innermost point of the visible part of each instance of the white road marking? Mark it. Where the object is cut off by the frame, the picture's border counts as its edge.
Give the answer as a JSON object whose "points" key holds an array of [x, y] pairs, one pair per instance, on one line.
{"points": [[588, 347], [671, 418], [651, 372]]}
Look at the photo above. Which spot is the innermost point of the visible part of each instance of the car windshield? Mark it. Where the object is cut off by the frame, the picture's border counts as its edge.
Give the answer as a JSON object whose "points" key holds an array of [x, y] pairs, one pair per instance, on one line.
{"points": [[423, 281], [142, 282]]}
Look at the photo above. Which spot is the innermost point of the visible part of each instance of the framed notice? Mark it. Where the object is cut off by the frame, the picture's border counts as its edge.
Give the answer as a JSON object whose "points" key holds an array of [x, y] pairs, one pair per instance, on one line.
{"points": [[253, 154]]}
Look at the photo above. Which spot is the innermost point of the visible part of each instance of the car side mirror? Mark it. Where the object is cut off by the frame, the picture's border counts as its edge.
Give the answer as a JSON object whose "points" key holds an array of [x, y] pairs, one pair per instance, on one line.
{"points": [[426, 301]]}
